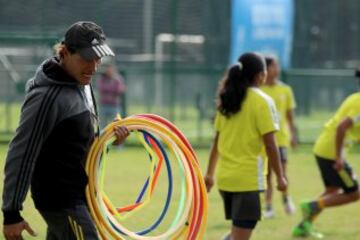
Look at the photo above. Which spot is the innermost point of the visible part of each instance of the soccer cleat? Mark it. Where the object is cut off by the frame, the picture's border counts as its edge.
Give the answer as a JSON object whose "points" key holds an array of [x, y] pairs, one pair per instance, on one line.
{"points": [[316, 234], [303, 229], [306, 229], [227, 236], [289, 206], [269, 213], [308, 211]]}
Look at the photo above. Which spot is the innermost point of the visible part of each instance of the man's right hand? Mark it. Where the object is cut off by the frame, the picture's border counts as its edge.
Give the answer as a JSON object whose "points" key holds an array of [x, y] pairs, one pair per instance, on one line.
{"points": [[121, 133], [13, 231]]}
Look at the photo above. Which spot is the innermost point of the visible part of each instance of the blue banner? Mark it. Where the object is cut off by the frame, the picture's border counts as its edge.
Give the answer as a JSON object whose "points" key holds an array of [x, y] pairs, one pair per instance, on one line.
{"points": [[264, 26]]}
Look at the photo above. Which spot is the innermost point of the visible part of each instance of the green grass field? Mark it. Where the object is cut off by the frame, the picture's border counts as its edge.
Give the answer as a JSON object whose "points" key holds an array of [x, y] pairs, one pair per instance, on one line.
{"points": [[128, 165]]}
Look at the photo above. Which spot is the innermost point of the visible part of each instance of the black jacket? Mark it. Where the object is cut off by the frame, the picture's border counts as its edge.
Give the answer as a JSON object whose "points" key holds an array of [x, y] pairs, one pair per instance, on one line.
{"points": [[57, 125]]}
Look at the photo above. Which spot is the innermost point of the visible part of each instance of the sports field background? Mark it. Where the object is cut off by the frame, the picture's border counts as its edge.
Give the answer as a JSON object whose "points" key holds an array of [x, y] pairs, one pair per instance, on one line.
{"points": [[178, 80], [198, 131], [126, 166]]}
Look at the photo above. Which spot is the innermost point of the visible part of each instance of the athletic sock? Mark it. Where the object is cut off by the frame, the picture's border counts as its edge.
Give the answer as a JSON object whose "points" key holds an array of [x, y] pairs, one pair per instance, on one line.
{"points": [[316, 207], [285, 198], [268, 207]]}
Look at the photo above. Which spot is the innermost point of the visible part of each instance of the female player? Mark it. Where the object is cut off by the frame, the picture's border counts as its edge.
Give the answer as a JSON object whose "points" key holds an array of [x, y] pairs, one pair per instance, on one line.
{"points": [[246, 121], [283, 97]]}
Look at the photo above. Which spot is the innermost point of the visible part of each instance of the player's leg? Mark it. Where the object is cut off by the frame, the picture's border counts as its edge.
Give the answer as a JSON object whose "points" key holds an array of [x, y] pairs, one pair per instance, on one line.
{"points": [[242, 229], [333, 196], [334, 181], [311, 210], [269, 211], [286, 199], [329, 191]]}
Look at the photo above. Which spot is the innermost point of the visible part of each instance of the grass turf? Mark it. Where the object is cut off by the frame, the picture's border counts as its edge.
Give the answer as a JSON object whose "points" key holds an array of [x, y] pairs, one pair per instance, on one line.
{"points": [[128, 165]]}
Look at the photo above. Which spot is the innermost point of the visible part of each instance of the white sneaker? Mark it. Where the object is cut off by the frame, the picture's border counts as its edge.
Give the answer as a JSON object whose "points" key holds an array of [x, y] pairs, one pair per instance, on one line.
{"points": [[269, 213], [289, 206], [227, 236]]}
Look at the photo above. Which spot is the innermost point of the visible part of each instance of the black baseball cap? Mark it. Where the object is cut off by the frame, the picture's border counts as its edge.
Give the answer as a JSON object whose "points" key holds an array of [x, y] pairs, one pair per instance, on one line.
{"points": [[87, 39]]}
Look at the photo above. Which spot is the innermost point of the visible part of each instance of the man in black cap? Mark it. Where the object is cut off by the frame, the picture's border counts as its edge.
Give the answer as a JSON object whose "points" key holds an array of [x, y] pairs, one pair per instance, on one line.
{"points": [[58, 123]]}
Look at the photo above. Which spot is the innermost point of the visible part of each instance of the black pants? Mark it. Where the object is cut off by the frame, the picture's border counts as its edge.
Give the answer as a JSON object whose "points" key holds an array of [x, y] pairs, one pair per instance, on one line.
{"points": [[70, 224]]}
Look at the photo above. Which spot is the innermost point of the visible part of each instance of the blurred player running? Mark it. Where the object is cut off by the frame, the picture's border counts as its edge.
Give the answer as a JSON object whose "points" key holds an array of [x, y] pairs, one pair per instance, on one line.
{"points": [[341, 186]]}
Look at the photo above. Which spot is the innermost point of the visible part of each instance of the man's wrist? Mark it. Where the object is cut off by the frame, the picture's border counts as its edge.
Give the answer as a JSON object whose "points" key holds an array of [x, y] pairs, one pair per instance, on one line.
{"points": [[12, 217]]}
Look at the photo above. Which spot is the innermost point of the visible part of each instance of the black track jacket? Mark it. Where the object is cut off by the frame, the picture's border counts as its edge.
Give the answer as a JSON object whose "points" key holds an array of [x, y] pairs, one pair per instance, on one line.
{"points": [[50, 146]]}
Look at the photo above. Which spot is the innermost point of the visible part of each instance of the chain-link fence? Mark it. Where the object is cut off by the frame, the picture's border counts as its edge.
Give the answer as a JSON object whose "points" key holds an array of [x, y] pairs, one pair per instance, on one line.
{"points": [[327, 34], [173, 53]]}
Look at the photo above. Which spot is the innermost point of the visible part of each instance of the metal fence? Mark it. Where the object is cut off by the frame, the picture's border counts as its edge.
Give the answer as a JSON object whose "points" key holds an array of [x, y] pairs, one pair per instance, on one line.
{"points": [[187, 97], [326, 34], [319, 90], [173, 53]]}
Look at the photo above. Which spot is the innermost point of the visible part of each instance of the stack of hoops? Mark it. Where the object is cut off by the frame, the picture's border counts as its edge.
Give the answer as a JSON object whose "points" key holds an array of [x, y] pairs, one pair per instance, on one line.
{"points": [[153, 132]]}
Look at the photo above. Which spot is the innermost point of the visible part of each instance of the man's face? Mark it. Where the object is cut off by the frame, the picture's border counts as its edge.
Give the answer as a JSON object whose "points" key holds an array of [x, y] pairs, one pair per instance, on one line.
{"points": [[80, 69]]}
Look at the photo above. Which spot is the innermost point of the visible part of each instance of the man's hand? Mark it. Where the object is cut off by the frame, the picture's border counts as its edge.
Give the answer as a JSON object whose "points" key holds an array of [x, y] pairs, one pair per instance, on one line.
{"points": [[121, 134], [13, 231]]}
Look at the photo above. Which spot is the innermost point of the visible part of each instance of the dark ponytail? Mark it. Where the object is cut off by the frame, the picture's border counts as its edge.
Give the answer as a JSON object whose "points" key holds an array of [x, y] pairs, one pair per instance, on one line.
{"points": [[357, 74], [233, 87], [269, 60]]}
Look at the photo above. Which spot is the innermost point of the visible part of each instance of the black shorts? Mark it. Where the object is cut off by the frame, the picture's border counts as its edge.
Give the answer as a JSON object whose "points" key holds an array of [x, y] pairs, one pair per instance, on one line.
{"points": [[242, 205], [344, 179]]}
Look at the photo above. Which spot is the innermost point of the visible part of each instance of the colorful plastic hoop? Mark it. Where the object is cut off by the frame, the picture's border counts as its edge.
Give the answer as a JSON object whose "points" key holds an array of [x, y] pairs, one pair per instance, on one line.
{"points": [[190, 220]]}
